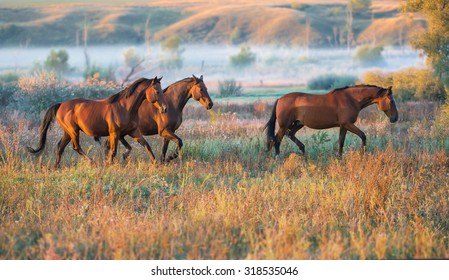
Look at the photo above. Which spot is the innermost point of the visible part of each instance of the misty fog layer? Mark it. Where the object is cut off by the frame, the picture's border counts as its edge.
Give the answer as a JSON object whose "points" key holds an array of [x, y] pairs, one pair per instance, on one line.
{"points": [[276, 66]]}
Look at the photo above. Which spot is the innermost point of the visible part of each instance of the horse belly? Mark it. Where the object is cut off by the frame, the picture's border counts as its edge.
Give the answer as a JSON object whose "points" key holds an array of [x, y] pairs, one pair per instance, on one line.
{"points": [[318, 118]]}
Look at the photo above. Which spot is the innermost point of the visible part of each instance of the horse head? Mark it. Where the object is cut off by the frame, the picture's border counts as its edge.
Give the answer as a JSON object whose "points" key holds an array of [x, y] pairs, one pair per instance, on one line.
{"points": [[155, 95], [387, 104], [199, 92]]}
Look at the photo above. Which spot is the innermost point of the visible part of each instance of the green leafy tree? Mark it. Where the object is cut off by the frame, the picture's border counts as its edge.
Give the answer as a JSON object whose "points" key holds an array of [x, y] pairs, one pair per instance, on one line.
{"points": [[57, 61], [359, 5], [173, 58], [244, 58], [435, 40]]}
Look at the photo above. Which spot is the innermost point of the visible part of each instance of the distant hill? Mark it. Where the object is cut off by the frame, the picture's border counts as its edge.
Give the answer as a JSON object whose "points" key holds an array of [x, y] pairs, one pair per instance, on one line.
{"points": [[316, 23]]}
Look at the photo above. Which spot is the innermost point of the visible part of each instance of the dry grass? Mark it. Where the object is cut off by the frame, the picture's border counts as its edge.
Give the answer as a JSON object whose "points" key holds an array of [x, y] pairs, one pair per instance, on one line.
{"points": [[226, 199]]}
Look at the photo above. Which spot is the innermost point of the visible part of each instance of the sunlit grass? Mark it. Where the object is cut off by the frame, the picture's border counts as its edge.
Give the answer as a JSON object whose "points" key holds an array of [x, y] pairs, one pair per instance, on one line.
{"points": [[226, 198]]}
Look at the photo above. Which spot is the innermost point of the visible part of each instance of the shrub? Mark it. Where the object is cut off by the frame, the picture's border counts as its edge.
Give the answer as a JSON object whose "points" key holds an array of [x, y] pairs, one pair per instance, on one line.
{"points": [[7, 93], [173, 59], [9, 77], [331, 81], [368, 55], [36, 93], [409, 83], [229, 88], [57, 61], [244, 58], [100, 73]]}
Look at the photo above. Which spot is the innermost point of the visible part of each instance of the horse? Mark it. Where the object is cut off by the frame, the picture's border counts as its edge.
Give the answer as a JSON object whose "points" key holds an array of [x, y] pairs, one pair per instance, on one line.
{"points": [[114, 116], [151, 122], [337, 108]]}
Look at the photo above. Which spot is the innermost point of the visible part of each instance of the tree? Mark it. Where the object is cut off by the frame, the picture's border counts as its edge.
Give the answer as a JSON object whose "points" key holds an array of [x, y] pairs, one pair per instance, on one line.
{"points": [[57, 61], [244, 58], [359, 5], [132, 60], [172, 46], [354, 6], [435, 40]]}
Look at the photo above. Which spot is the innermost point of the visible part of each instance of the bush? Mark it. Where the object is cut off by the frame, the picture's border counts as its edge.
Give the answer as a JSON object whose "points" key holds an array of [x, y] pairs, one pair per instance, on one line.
{"points": [[229, 88], [38, 92], [7, 93], [409, 83], [244, 58], [9, 77], [331, 81], [57, 61], [368, 55], [100, 73], [173, 58]]}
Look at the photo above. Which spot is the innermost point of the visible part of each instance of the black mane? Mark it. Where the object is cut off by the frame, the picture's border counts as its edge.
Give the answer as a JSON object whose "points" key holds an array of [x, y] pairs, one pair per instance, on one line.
{"points": [[363, 85], [188, 79], [128, 91]]}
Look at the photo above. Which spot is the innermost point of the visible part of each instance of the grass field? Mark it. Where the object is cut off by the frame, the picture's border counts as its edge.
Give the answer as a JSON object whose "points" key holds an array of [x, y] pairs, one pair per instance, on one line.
{"points": [[227, 199]]}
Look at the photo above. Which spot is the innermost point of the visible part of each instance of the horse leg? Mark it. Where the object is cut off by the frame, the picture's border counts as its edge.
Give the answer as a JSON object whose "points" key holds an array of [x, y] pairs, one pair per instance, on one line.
{"points": [[341, 140], [113, 137], [138, 137], [65, 139], [279, 135], [291, 135], [75, 136], [127, 146], [167, 134], [354, 129], [164, 149]]}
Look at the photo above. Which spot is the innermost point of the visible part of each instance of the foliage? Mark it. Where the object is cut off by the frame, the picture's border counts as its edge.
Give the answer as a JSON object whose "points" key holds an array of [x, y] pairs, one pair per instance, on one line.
{"points": [[36, 93], [173, 57], [409, 83], [131, 57], [331, 81], [244, 58], [359, 5], [7, 93], [9, 77], [234, 36], [435, 39], [99, 72], [229, 88], [57, 61], [369, 55]]}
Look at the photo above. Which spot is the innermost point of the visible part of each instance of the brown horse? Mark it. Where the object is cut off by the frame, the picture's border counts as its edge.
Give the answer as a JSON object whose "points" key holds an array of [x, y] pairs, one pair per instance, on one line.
{"points": [[114, 116], [151, 122], [338, 108]]}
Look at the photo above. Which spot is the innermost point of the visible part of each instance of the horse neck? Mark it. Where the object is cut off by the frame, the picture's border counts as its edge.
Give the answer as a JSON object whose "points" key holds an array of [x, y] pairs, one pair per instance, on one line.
{"points": [[365, 96], [179, 95], [133, 102]]}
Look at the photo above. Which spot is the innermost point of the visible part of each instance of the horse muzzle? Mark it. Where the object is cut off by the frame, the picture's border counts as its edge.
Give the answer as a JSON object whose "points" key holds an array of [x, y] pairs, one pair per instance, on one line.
{"points": [[209, 105], [393, 119]]}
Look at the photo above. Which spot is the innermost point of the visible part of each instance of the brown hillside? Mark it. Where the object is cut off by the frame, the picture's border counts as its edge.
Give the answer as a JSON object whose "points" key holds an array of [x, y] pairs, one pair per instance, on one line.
{"points": [[396, 30], [255, 24]]}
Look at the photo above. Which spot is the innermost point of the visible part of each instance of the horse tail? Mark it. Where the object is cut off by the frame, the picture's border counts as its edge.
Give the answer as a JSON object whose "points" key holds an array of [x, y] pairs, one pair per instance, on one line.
{"points": [[270, 126], [49, 118]]}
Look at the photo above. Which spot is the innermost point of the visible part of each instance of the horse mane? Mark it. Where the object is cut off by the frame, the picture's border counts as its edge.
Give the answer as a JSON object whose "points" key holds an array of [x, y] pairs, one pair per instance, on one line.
{"points": [[128, 91], [355, 86], [188, 79]]}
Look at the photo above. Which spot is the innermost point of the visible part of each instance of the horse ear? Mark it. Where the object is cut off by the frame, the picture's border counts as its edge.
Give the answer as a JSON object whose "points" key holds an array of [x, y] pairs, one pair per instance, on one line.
{"points": [[159, 80], [389, 89], [195, 78], [201, 78]]}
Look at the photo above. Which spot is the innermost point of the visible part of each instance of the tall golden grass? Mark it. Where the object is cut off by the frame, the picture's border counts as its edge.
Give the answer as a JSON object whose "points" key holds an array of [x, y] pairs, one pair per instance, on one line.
{"points": [[227, 199]]}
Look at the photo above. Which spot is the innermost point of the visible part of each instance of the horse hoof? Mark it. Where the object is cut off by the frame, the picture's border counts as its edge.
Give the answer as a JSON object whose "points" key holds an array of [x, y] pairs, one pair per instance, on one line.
{"points": [[277, 157]]}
